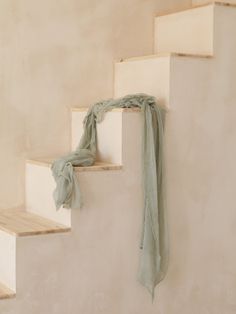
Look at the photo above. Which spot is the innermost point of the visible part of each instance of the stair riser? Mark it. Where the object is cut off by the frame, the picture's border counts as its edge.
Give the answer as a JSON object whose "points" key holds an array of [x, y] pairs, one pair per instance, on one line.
{"points": [[40, 185], [200, 194], [104, 240], [109, 134], [150, 76], [190, 31], [7, 260]]}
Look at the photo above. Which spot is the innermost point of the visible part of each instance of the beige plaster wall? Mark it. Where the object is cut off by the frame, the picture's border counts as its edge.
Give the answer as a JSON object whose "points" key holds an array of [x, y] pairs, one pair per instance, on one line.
{"points": [[55, 54]]}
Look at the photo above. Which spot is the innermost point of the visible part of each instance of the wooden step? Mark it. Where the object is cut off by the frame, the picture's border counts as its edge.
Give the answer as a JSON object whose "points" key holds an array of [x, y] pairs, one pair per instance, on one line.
{"points": [[21, 223], [82, 109], [167, 54], [6, 293], [98, 166], [228, 3]]}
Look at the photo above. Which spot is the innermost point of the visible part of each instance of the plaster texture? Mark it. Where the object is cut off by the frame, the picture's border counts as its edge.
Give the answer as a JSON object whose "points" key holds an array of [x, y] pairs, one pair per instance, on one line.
{"points": [[55, 55]]}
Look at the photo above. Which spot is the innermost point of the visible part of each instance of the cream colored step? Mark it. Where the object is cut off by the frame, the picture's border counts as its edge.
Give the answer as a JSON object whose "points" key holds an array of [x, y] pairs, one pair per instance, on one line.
{"points": [[21, 223], [6, 293], [40, 185], [15, 224], [188, 31], [112, 215], [148, 74], [109, 133], [98, 165], [8, 259]]}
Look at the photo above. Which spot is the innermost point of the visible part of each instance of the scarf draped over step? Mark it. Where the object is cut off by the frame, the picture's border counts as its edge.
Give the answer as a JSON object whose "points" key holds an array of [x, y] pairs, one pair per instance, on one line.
{"points": [[154, 246]]}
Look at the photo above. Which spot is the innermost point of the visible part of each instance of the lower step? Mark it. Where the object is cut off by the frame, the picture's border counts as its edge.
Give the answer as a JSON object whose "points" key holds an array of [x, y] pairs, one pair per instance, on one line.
{"points": [[6, 293], [21, 223], [97, 166]]}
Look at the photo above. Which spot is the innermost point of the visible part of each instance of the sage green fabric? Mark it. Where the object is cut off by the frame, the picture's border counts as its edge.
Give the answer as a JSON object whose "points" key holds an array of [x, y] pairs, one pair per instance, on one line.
{"points": [[154, 246]]}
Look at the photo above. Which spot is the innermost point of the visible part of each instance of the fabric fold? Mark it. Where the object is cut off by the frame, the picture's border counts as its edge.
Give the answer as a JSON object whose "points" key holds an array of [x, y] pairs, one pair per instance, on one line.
{"points": [[154, 240]]}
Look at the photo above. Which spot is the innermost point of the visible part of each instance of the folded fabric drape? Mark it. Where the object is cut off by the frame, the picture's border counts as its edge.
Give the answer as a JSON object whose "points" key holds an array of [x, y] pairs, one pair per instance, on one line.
{"points": [[154, 242]]}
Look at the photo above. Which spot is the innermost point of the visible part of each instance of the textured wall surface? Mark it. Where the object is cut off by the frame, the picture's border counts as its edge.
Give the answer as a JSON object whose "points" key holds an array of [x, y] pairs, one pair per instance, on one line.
{"points": [[57, 54]]}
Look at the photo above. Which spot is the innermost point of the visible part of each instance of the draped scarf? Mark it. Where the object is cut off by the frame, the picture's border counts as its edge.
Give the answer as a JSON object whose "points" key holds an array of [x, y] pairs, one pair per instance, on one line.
{"points": [[154, 242]]}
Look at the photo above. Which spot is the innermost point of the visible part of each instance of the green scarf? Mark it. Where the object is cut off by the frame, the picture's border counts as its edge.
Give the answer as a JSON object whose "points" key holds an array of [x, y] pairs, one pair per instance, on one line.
{"points": [[154, 246]]}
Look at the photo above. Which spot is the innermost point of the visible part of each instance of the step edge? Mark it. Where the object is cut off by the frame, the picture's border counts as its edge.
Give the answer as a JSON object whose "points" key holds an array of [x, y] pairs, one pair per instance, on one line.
{"points": [[59, 228], [83, 109], [38, 233], [197, 6], [9, 294], [34, 233], [168, 55], [105, 167], [176, 11]]}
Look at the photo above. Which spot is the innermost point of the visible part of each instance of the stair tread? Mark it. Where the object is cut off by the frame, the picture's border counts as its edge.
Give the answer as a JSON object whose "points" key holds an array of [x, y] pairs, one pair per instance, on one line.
{"points": [[197, 6], [6, 293], [168, 54], [22, 223], [81, 109], [98, 166]]}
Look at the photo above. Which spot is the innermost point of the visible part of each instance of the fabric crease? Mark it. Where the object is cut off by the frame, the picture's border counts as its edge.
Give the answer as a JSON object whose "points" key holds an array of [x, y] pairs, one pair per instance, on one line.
{"points": [[154, 240]]}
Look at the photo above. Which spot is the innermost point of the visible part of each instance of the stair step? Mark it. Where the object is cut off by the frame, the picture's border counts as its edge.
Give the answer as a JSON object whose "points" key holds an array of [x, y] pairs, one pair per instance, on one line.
{"points": [[197, 3], [82, 109], [6, 293], [109, 132], [98, 165], [149, 74], [189, 31], [21, 223], [168, 54]]}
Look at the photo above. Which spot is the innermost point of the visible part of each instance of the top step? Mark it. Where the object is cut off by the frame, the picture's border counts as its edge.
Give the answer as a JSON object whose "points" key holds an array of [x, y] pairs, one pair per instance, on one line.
{"points": [[189, 31], [21, 223]]}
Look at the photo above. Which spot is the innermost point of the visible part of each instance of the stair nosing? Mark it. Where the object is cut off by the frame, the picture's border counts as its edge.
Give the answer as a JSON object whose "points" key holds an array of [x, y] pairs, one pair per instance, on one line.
{"points": [[198, 6], [83, 109], [42, 224], [168, 55], [105, 166], [8, 296], [34, 233], [8, 293]]}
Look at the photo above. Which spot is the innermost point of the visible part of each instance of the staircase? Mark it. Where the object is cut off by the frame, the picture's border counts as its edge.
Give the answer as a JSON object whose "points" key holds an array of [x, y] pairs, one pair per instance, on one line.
{"points": [[70, 262]]}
